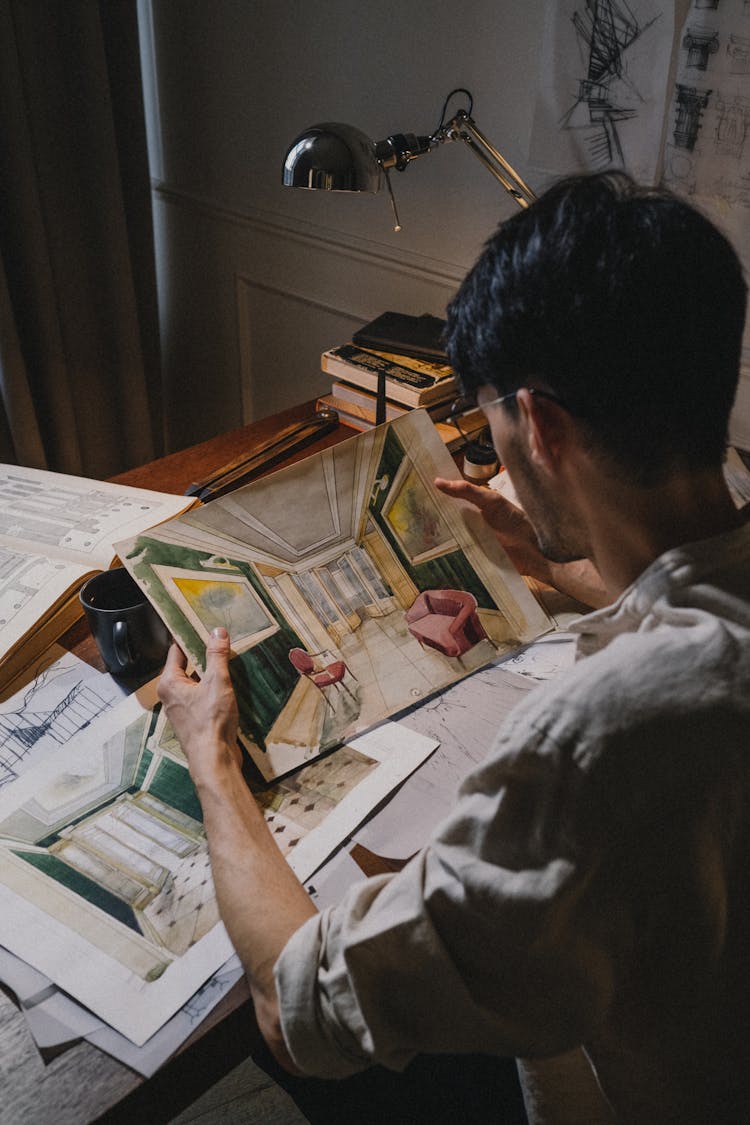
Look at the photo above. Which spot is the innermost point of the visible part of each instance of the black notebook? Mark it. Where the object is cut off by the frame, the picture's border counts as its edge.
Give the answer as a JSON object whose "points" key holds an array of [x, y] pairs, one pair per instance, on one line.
{"points": [[419, 336]]}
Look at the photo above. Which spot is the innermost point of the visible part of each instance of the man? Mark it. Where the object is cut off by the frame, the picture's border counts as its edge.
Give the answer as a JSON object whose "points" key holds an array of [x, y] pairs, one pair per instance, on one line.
{"points": [[585, 908]]}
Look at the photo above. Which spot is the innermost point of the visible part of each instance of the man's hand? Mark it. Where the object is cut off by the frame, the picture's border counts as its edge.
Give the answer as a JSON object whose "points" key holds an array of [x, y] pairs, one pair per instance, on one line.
{"points": [[509, 522], [203, 712], [580, 579], [261, 901]]}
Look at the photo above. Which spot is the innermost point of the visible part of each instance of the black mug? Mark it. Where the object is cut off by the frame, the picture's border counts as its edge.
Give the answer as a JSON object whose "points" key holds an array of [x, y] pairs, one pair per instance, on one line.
{"points": [[130, 635]]}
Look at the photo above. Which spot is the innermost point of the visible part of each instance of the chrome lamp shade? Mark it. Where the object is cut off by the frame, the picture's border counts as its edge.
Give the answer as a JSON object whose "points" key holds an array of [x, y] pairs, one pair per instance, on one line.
{"points": [[333, 157]]}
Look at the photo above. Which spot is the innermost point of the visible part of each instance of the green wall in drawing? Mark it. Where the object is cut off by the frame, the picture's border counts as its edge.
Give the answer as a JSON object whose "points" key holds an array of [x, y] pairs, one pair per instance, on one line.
{"points": [[262, 674], [62, 873], [143, 765], [171, 784], [448, 570]]}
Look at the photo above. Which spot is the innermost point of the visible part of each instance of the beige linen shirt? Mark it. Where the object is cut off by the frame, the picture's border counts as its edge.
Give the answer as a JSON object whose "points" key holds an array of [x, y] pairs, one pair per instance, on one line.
{"points": [[592, 886]]}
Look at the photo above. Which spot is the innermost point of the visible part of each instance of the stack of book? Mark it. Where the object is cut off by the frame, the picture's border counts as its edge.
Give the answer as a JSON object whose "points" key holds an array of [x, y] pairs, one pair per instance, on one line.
{"points": [[408, 351]]}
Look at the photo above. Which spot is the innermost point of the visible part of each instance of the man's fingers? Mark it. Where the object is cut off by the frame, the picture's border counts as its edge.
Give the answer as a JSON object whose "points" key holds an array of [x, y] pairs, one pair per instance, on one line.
{"points": [[465, 490], [488, 500], [173, 672], [176, 660], [217, 652]]}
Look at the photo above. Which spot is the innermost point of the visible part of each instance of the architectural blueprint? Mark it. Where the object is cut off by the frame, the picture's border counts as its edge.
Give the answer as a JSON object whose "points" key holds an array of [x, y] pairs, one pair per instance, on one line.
{"points": [[707, 148]]}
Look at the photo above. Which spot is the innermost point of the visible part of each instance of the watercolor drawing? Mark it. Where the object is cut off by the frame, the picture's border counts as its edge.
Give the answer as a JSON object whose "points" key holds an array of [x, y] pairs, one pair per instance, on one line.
{"points": [[319, 572], [414, 519], [122, 835], [105, 878]]}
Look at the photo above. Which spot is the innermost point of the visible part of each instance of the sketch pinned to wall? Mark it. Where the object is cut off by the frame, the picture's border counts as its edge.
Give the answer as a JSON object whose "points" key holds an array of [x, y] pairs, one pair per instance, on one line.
{"points": [[689, 104], [621, 87], [706, 152], [603, 87], [700, 43]]}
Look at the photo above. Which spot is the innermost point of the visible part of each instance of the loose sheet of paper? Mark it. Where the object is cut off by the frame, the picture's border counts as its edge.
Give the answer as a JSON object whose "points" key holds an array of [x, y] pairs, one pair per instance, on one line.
{"points": [[465, 720], [105, 884], [55, 1019], [64, 696], [602, 87]]}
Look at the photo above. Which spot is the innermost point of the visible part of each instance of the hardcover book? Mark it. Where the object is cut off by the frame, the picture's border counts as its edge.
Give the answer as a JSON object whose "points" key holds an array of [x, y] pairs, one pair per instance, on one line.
{"points": [[366, 400], [56, 531], [419, 336], [361, 418], [411, 382]]}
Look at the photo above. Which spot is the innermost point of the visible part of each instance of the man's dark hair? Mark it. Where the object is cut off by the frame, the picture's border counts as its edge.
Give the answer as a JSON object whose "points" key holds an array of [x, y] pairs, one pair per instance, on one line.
{"points": [[624, 301]]}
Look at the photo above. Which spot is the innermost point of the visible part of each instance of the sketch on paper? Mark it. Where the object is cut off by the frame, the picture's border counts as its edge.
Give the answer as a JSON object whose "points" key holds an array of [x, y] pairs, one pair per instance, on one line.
{"points": [[710, 113], [607, 95], [105, 880], [315, 572], [706, 153], [603, 86], [64, 697]]}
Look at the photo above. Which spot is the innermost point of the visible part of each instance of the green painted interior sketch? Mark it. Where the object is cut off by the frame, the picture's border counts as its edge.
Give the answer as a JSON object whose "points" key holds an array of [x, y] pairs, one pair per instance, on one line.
{"points": [[123, 835], [222, 600], [130, 853], [319, 572], [415, 520]]}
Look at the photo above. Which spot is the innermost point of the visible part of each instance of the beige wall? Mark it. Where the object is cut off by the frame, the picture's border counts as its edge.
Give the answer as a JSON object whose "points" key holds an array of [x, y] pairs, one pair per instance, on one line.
{"points": [[255, 279]]}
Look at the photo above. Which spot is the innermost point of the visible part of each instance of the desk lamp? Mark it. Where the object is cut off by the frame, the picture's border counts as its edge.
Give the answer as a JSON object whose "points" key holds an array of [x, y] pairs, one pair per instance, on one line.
{"points": [[337, 157]]}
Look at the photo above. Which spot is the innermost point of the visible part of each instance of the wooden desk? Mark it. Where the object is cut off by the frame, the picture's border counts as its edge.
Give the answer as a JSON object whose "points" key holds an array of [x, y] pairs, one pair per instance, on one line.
{"points": [[81, 1083]]}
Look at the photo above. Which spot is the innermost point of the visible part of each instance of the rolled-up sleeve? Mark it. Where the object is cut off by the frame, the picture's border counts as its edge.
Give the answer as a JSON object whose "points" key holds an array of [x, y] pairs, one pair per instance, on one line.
{"points": [[479, 945]]}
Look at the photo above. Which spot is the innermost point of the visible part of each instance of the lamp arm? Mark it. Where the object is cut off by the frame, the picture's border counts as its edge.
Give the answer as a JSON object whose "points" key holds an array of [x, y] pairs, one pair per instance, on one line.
{"points": [[400, 149], [463, 127]]}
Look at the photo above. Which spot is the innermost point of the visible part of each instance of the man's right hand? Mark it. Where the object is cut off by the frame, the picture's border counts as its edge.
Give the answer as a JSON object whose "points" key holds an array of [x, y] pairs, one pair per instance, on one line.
{"points": [[202, 712]]}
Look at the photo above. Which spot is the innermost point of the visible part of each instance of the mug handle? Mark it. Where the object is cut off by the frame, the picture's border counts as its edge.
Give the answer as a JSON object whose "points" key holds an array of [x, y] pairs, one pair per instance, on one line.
{"points": [[123, 652]]}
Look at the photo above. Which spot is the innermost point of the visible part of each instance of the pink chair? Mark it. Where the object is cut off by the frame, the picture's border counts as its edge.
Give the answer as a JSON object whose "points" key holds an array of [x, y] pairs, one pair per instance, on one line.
{"points": [[330, 675], [446, 620]]}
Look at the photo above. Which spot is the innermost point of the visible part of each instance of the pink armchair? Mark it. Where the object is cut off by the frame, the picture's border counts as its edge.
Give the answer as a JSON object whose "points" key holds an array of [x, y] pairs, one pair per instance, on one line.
{"points": [[328, 676], [446, 620]]}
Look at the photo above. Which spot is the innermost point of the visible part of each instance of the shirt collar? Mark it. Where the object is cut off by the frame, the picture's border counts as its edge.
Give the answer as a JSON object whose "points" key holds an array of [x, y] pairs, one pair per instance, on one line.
{"points": [[675, 569]]}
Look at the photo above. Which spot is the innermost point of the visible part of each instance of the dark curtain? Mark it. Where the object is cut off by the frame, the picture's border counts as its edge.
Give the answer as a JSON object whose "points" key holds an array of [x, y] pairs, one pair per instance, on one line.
{"points": [[80, 384]]}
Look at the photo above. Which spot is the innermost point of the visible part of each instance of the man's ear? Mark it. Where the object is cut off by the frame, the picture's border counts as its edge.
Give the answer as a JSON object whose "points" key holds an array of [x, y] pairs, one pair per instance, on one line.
{"points": [[544, 423]]}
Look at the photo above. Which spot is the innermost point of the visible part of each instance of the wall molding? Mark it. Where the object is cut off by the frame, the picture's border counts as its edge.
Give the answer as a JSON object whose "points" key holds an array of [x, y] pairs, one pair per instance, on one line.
{"points": [[275, 292], [253, 220]]}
